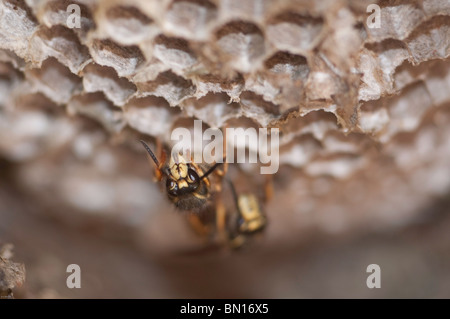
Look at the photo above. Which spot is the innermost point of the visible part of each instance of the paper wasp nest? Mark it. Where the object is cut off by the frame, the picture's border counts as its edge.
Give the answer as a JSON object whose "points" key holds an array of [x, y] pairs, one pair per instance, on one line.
{"points": [[363, 112]]}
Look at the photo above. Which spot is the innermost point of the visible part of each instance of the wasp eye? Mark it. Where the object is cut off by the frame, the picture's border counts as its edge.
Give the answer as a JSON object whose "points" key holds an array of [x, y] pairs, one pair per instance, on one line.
{"points": [[172, 187], [193, 176]]}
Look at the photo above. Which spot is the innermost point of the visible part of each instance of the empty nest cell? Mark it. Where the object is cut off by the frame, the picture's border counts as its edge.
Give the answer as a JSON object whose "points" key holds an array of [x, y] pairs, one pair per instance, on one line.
{"points": [[293, 32], [168, 85], [17, 25], [174, 52], [56, 12], [124, 59], [190, 19], [254, 106], [125, 24], [54, 80], [214, 109], [150, 115], [60, 43], [97, 107], [105, 79], [243, 43], [394, 23]]}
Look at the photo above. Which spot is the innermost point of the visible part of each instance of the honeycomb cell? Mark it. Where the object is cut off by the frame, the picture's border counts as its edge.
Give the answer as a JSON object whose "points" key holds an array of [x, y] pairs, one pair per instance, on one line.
{"points": [[215, 84], [54, 80], [251, 10], [62, 44], [214, 109], [126, 25], [430, 40], [254, 106], [243, 43], [56, 12], [104, 79], [97, 107], [294, 32], [17, 25], [150, 115], [168, 85], [124, 59], [190, 19], [174, 53], [392, 25], [293, 65]]}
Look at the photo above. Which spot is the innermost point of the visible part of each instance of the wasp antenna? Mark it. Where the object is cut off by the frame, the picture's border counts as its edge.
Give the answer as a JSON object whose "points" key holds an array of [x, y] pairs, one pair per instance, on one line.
{"points": [[210, 170], [149, 151]]}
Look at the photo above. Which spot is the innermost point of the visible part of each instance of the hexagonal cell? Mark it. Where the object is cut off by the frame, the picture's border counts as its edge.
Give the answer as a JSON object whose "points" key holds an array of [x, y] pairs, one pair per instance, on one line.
{"points": [[394, 25], [408, 73], [174, 52], [316, 123], [321, 85], [190, 19], [299, 151], [373, 117], [96, 106], [169, 86], [125, 24], [54, 80], [283, 80], [252, 10], [215, 84], [214, 109], [293, 65], [17, 25], [293, 32], [105, 79], [61, 43], [150, 115], [436, 7], [254, 106], [149, 71], [430, 40], [56, 13], [406, 110], [379, 61], [243, 43], [124, 59]]}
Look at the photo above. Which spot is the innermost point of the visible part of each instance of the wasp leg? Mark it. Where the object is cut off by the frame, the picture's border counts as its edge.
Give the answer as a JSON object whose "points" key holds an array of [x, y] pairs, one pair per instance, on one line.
{"points": [[235, 239], [224, 169], [199, 226], [268, 188], [221, 218]]}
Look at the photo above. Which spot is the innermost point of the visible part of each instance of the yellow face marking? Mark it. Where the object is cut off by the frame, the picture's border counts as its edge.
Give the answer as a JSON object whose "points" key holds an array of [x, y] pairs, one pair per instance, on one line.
{"points": [[182, 183], [199, 196], [178, 167]]}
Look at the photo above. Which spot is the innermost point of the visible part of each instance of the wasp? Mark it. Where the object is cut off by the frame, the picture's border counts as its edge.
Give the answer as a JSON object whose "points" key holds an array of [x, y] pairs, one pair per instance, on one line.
{"points": [[249, 220], [198, 189]]}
